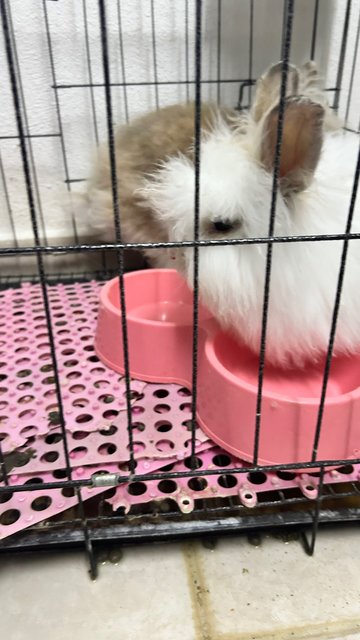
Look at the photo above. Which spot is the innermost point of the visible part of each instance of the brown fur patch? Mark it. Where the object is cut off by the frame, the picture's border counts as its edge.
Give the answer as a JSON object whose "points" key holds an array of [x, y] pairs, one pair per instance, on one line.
{"points": [[301, 142], [140, 147]]}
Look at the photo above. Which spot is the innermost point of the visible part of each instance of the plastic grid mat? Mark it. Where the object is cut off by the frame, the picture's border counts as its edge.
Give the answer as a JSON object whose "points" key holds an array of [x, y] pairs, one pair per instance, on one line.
{"points": [[96, 424], [28, 406]]}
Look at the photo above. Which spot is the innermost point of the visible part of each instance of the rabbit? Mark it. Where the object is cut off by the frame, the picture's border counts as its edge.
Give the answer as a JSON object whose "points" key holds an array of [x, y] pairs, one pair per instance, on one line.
{"points": [[142, 147], [236, 176]]}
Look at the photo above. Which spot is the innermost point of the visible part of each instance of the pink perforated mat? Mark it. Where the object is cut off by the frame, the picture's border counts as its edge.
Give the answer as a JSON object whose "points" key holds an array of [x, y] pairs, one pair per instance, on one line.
{"points": [[96, 421]]}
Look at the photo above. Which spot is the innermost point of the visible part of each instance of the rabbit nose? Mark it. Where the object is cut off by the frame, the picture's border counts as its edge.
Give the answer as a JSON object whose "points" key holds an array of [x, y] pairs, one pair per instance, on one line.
{"points": [[222, 226]]}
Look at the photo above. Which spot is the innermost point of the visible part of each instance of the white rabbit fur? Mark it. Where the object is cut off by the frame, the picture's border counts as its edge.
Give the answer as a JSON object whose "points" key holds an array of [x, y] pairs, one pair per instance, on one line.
{"points": [[235, 186], [304, 274]]}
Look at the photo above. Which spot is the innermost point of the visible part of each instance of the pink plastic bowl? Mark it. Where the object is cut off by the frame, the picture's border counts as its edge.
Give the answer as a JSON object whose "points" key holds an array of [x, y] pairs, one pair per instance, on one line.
{"points": [[159, 321]]}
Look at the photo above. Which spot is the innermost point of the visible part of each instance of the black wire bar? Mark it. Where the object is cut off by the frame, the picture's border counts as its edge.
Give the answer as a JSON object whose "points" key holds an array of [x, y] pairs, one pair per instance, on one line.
{"points": [[218, 51], [58, 114], [116, 211], [197, 151], [251, 50], [154, 53], [115, 246], [119, 479], [8, 203], [340, 70], [353, 69], [314, 30], [187, 64], [89, 71], [122, 61], [310, 545], [16, 93], [335, 314], [289, 13], [92, 101], [151, 83]]}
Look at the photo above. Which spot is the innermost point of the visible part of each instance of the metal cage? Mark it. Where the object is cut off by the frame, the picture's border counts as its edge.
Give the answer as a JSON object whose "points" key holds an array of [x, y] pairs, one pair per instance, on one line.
{"points": [[90, 521]]}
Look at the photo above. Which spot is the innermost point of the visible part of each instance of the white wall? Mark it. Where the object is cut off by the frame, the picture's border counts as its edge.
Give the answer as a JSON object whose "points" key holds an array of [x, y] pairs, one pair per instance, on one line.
{"points": [[66, 21]]}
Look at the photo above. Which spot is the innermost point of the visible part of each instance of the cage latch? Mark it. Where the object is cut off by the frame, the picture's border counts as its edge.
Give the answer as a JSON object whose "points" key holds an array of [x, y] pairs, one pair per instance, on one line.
{"points": [[105, 479]]}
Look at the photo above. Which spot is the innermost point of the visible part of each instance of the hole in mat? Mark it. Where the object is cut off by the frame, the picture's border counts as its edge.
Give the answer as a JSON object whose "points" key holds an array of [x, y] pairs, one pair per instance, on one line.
{"points": [[24, 385], [186, 407], [77, 388], [53, 438], [167, 486], [41, 503], [60, 474], [26, 399], [346, 470], [28, 413], [54, 418], [46, 367], [184, 392], [188, 425], [164, 445], [286, 475], [106, 398], [197, 484], [227, 481], [110, 414], [162, 408], [49, 456], [221, 460], [256, 477], [78, 452], [80, 435], [83, 417], [134, 395], [197, 463], [6, 496], [161, 393], [68, 492], [9, 517], [80, 402], [23, 373], [138, 427], [29, 432], [163, 426], [109, 431], [107, 449], [137, 488]]}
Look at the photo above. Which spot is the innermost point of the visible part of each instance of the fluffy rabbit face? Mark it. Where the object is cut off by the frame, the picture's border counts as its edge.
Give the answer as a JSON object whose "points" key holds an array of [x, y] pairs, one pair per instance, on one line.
{"points": [[235, 192], [236, 177]]}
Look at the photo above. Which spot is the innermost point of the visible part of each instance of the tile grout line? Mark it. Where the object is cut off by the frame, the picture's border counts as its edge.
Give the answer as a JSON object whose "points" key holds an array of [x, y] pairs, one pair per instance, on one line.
{"points": [[204, 625], [198, 593]]}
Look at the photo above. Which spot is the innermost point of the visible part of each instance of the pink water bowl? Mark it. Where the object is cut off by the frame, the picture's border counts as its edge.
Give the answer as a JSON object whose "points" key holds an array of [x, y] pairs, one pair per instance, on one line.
{"points": [[159, 309]]}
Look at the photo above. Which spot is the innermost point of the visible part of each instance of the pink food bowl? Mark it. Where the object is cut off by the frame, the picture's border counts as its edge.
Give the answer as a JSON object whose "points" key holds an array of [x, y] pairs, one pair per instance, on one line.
{"points": [[159, 321]]}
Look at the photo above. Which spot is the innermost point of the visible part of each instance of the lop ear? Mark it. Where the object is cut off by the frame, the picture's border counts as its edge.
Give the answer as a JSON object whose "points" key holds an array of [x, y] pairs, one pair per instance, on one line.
{"points": [[302, 138], [268, 89]]}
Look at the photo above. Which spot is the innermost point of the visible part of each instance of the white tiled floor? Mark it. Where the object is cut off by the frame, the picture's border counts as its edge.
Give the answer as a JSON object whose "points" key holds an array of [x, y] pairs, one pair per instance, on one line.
{"points": [[189, 592]]}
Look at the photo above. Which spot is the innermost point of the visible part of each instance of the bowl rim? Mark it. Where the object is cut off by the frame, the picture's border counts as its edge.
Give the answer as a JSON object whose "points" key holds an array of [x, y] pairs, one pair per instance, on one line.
{"points": [[107, 304], [209, 347], [239, 382]]}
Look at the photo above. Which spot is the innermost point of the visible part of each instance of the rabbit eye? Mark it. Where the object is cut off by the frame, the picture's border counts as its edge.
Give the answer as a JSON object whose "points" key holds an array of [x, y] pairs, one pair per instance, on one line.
{"points": [[223, 226]]}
